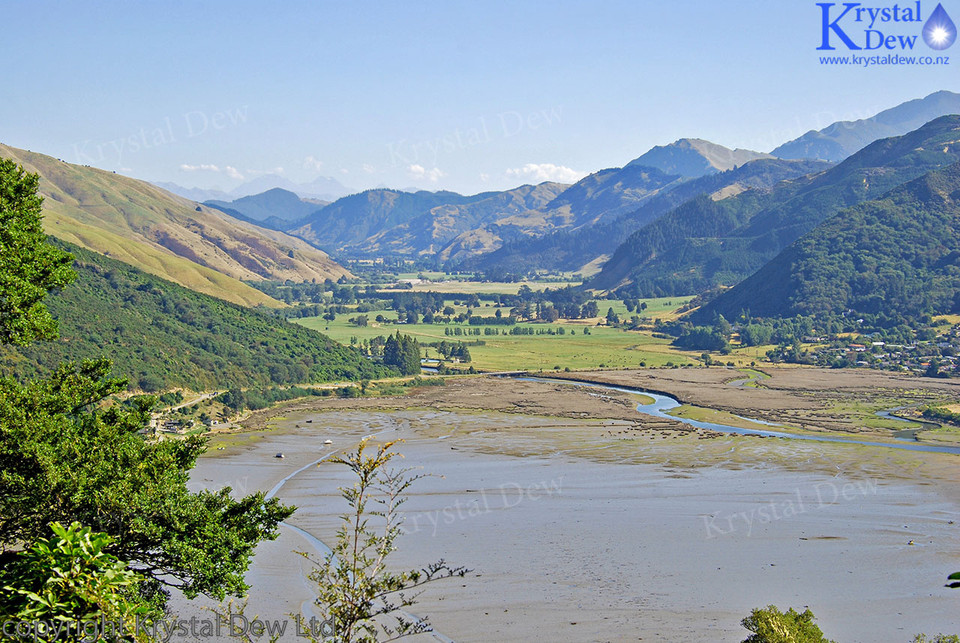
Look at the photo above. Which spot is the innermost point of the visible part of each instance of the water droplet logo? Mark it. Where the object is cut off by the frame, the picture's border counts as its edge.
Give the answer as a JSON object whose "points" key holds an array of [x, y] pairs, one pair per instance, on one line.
{"points": [[939, 32]]}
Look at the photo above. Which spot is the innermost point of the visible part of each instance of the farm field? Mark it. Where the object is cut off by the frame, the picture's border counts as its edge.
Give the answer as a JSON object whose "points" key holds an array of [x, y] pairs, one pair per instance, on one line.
{"points": [[566, 344]]}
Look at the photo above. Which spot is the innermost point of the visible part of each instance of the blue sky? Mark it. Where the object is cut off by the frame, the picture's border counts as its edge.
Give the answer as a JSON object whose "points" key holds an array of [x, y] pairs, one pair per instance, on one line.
{"points": [[467, 96]]}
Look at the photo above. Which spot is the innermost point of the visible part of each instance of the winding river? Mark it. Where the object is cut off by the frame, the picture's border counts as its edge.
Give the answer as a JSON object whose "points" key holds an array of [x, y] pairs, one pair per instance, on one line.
{"points": [[662, 404]]}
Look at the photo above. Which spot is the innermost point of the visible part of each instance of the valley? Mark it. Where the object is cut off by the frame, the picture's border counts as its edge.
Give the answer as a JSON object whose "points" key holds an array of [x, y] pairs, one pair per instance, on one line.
{"points": [[623, 396]]}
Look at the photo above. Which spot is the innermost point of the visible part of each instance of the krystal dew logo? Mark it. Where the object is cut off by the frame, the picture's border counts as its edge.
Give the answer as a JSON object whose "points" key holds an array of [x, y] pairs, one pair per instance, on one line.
{"points": [[859, 27]]}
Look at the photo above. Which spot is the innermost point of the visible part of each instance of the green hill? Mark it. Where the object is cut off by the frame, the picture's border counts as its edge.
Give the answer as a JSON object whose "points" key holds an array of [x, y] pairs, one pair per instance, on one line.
{"points": [[898, 256], [166, 235], [161, 335], [706, 243]]}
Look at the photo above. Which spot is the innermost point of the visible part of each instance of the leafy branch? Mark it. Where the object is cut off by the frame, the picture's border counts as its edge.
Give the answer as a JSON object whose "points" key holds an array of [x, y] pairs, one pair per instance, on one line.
{"points": [[358, 594]]}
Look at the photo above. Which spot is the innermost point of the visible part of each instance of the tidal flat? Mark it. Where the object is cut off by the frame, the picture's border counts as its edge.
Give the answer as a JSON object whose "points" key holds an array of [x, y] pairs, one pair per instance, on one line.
{"points": [[584, 521]]}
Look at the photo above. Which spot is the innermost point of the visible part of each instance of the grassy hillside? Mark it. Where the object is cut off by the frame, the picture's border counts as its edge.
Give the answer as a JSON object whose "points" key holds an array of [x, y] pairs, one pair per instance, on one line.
{"points": [[897, 256], [161, 335], [166, 235]]}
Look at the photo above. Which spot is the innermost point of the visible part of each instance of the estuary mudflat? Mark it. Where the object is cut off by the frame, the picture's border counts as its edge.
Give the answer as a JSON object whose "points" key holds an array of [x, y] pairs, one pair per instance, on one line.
{"points": [[587, 529]]}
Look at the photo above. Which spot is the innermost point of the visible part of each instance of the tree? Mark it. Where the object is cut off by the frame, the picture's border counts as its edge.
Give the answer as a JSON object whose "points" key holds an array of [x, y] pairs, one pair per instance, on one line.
{"points": [[71, 578], [353, 583], [29, 266], [770, 625], [549, 314], [756, 334], [234, 399], [701, 338], [612, 318], [403, 352], [70, 453]]}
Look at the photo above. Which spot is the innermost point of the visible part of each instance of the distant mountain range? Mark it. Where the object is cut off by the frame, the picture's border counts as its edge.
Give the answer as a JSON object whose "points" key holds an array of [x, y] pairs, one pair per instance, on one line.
{"points": [[706, 243], [570, 228], [897, 256], [166, 235], [694, 157], [276, 208], [453, 227], [379, 222], [586, 248], [324, 188], [679, 219], [841, 139]]}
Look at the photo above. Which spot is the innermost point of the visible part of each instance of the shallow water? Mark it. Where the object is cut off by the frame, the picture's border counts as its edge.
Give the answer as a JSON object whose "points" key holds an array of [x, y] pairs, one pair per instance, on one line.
{"points": [[569, 547]]}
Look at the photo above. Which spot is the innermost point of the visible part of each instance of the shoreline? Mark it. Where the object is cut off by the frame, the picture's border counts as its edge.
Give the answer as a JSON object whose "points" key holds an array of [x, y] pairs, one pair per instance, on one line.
{"points": [[807, 401]]}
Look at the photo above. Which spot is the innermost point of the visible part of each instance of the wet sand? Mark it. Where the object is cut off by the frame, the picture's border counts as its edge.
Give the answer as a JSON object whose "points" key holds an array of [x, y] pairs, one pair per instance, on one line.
{"points": [[584, 527]]}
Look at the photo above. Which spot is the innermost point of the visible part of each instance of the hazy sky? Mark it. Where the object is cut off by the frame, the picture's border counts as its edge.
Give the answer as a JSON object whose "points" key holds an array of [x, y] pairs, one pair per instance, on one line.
{"points": [[467, 96]]}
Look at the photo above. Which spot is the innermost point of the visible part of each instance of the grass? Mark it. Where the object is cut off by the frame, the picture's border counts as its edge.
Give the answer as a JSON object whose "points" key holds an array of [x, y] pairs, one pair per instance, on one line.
{"points": [[155, 261], [863, 413], [945, 435], [167, 236], [701, 414], [603, 348], [952, 319], [756, 377]]}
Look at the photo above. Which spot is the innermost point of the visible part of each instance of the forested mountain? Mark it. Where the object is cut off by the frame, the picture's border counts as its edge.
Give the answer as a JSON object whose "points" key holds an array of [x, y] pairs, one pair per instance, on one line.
{"points": [[898, 256], [841, 139], [706, 243], [161, 335], [574, 250], [166, 235]]}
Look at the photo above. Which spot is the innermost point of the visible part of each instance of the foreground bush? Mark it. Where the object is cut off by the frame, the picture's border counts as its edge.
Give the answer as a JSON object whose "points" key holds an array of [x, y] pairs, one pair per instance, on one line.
{"points": [[770, 625]]}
